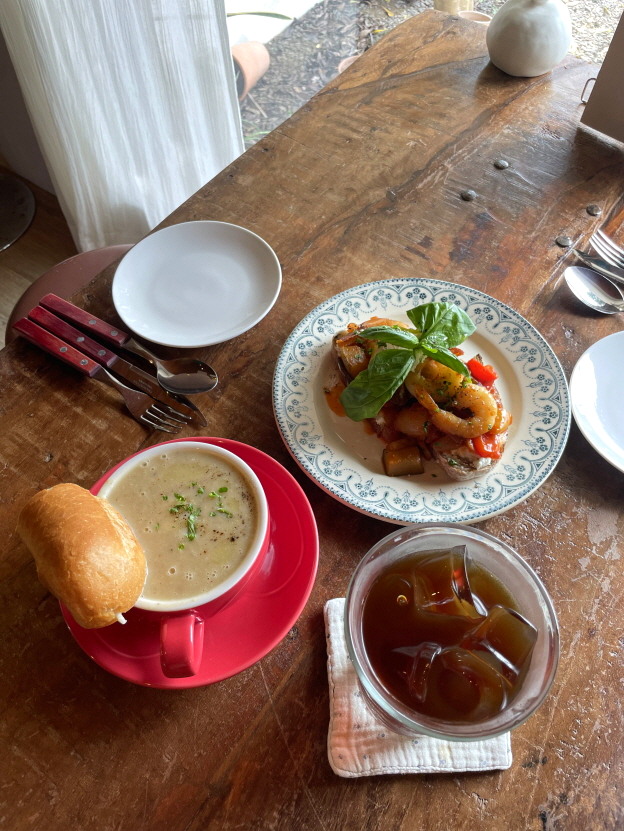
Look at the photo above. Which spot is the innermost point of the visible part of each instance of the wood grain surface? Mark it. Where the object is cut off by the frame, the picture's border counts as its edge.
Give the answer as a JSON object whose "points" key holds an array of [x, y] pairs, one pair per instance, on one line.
{"points": [[361, 184]]}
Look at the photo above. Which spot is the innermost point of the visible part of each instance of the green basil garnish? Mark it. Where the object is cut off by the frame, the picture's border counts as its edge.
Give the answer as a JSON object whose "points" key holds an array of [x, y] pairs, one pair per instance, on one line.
{"points": [[443, 324], [446, 357], [438, 328], [392, 335], [370, 390]]}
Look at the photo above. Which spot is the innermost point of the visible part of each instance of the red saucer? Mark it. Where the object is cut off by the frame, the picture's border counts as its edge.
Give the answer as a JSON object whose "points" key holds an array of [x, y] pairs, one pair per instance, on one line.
{"points": [[246, 631]]}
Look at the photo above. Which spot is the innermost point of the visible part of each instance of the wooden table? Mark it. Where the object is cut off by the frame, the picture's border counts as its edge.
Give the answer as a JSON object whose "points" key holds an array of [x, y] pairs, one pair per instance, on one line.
{"points": [[363, 183]]}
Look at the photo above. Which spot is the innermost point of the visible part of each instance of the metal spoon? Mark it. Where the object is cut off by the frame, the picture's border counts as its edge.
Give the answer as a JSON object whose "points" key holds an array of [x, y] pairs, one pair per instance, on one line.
{"points": [[185, 376], [594, 290]]}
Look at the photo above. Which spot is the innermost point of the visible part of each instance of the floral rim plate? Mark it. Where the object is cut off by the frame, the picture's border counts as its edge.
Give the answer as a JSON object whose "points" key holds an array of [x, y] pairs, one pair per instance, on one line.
{"points": [[346, 462]]}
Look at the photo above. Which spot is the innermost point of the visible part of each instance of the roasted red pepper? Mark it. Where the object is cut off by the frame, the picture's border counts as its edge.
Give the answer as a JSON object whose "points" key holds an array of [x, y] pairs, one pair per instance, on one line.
{"points": [[483, 373], [487, 446]]}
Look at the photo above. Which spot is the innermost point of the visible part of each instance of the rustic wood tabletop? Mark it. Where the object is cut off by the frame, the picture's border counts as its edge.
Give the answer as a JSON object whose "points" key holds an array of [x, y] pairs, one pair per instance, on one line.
{"points": [[363, 183]]}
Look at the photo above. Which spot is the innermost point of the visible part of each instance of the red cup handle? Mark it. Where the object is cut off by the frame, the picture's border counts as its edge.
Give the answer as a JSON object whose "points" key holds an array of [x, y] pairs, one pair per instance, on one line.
{"points": [[181, 645]]}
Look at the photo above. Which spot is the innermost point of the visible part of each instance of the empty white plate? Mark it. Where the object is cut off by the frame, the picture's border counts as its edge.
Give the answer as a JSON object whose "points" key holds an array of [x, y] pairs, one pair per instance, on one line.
{"points": [[196, 283], [596, 393]]}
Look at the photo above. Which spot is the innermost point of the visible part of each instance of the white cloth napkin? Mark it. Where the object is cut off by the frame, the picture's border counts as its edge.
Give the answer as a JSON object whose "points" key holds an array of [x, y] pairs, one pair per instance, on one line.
{"points": [[359, 745]]}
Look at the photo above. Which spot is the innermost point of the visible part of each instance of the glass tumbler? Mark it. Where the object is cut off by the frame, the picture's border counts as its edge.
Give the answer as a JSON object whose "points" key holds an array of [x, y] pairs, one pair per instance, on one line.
{"points": [[513, 572]]}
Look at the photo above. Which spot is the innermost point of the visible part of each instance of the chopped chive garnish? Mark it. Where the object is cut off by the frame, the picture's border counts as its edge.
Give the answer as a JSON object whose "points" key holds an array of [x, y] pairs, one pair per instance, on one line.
{"points": [[200, 490], [181, 546], [223, 511], [157, 526], [213, 495], [179, 496], [193, 484], [212, 513], [165, 498], [222, 490], [190, 526]]}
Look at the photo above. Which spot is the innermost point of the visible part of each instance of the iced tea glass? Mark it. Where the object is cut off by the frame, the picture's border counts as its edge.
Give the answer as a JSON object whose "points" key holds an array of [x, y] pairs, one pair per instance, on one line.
{"points": [[513, 572]]}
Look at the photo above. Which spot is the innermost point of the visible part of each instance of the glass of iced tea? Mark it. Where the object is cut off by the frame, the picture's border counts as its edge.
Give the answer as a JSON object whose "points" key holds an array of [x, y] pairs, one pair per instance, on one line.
{"points": [[450, 632]]}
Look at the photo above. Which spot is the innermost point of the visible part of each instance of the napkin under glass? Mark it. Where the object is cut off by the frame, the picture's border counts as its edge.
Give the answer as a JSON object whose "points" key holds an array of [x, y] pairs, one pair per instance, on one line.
{"points": [[359, 745]]}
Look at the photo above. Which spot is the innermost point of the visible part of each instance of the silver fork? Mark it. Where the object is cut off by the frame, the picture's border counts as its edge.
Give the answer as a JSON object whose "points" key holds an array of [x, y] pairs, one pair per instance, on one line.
{"points": [[142, 407], [608, 250]]}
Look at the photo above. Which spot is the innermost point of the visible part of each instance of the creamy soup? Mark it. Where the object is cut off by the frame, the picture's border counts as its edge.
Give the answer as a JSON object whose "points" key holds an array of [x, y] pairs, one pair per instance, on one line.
{"points": [[195, 516]]}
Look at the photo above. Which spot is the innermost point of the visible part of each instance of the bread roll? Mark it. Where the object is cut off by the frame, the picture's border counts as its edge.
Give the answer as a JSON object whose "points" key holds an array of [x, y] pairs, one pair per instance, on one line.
{"points": [[86, 553]]}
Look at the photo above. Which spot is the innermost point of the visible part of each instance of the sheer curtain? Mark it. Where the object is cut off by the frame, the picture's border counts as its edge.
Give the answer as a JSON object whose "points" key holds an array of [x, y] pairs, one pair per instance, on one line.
{"points": [[133, 103]]}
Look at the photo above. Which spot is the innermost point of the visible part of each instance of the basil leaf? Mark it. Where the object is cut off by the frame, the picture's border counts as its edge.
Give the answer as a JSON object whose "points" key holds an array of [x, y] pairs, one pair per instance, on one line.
{"points": [[388, 334], [370, 390], [436, 339], [444, 323], [443, 356]]}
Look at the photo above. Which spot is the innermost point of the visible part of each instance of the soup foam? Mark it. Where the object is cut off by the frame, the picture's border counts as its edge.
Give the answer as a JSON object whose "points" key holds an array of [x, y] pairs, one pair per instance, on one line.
{"points": [[194, 514]]}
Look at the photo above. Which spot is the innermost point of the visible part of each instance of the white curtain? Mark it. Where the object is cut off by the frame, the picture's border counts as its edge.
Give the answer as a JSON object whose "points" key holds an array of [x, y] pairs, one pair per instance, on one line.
{"points": [[133, 103]]}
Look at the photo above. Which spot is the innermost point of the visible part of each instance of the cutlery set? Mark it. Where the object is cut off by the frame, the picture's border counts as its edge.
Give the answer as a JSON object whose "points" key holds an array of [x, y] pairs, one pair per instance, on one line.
{"points": [[49, 326], [598, 286]]}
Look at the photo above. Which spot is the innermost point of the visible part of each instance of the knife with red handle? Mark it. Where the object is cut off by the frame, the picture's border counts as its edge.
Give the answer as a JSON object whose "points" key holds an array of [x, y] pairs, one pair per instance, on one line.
{"points": [[61, 329], [67, 310], [50, 343], [142, 407], [92, 349]]}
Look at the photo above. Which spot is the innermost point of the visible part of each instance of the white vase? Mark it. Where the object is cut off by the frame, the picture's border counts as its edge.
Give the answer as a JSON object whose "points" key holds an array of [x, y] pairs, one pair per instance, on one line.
{"points": [[529, 37]]}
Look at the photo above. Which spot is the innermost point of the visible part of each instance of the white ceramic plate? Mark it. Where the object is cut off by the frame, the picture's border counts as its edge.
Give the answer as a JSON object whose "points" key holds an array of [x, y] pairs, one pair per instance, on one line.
{"points": [[196, 283], [346, 462], [596, 393]]}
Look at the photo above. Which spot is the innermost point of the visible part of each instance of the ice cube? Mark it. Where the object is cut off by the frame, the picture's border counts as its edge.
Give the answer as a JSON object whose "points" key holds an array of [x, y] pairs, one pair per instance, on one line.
{"points": [[442, 586], [467, 686], [505, 640], [439, 628], [417, 662]]}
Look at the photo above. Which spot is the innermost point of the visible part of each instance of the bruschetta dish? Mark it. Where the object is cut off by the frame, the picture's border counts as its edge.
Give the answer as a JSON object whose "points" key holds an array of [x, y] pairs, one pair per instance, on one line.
{"points": [[416, 393]]}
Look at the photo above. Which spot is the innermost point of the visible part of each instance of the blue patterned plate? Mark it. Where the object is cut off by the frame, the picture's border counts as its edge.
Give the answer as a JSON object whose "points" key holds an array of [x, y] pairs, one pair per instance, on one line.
{"points": [[346, 462]]}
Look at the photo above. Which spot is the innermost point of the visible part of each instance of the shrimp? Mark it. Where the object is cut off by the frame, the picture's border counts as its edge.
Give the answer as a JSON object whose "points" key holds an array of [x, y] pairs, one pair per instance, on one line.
{"points": [[441, 382], [504, 417], [471, 397], [413, 421]]}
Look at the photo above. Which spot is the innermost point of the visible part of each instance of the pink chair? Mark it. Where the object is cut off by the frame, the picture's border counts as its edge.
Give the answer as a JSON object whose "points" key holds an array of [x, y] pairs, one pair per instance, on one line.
{"points": [[64, 279]]}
